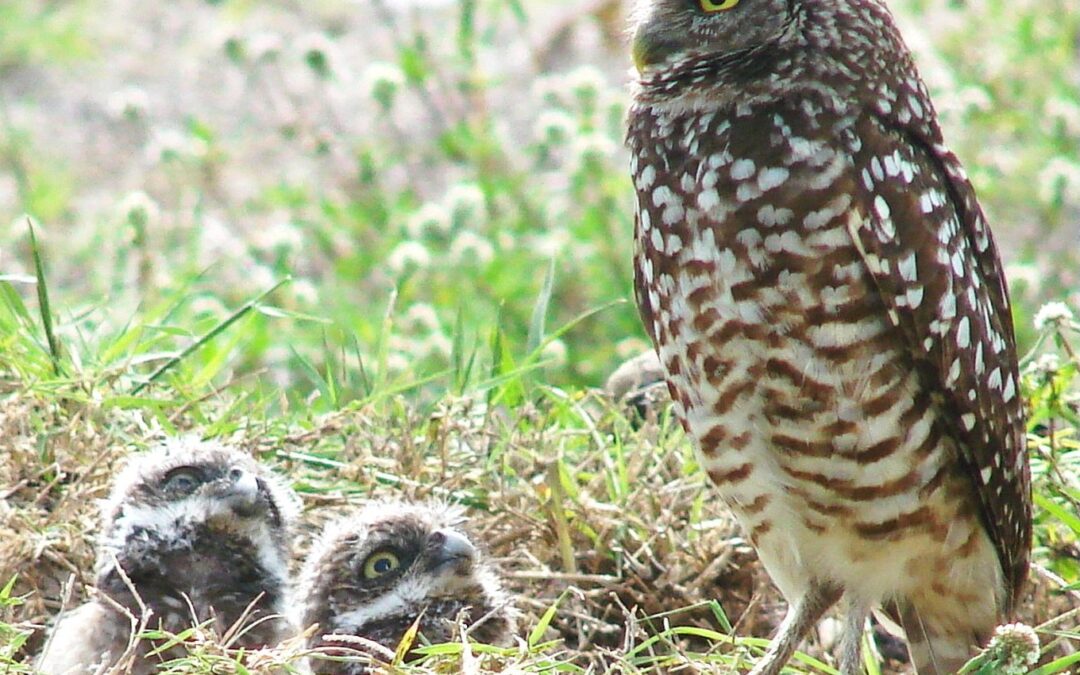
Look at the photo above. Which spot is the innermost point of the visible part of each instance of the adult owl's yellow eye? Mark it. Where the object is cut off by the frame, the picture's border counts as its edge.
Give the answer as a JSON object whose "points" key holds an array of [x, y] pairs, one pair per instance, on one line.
{"points": [[717, 5], [380, 564]]}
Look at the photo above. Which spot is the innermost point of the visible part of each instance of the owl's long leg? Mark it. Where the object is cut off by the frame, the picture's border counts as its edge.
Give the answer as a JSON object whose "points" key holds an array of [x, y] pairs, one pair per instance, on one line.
{"points": [[851, 640], [801, 616]]}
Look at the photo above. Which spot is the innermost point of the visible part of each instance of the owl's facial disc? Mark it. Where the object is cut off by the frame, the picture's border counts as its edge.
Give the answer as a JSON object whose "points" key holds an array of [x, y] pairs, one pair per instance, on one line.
{"points": [[227, 491], [667, 31]]}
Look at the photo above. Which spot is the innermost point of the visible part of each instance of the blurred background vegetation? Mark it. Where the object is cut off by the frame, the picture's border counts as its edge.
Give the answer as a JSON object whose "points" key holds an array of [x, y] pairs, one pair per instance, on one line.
{"points": [[281, 210], [448, 152]]}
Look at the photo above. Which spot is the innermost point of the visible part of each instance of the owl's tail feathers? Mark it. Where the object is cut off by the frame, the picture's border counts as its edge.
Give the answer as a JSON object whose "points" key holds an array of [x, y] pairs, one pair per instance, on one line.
{"points": [[932, 652]]}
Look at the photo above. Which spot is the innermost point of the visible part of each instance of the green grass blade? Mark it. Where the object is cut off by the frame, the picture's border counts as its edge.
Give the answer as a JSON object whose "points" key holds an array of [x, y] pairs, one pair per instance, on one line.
{"points": [[43, 300], [208, 336], [1058, 665], [537, 633], [540, 310]]}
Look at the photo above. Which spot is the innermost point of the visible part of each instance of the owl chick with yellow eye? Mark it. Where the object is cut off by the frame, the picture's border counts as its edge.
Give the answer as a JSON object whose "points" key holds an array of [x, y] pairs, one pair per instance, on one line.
{"points": [[192, 532], [373, 573]]}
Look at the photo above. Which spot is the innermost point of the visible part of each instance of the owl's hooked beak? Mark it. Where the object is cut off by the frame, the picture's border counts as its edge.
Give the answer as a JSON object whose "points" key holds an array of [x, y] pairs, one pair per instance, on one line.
{"points": [[648, 49], [640, 53], [242, 492], [447, 548]]}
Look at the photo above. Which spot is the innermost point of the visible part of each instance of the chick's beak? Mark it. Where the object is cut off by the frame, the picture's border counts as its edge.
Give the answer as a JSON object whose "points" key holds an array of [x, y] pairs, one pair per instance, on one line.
{"points": [[447, 548], [242, 492]]}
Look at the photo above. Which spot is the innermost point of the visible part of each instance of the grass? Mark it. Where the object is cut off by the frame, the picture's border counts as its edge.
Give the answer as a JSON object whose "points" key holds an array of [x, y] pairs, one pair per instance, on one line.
{"points": [[388, 251]]}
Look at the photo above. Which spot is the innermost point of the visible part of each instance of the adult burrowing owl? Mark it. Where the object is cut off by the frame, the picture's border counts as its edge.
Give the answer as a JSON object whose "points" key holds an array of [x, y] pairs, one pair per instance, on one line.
{"points": [[824, 293], [191, 531], [373, 573]]}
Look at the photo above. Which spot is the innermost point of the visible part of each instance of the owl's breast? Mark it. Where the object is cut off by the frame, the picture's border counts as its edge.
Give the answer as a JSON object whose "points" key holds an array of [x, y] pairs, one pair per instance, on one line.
{"points": [[801, 394]]}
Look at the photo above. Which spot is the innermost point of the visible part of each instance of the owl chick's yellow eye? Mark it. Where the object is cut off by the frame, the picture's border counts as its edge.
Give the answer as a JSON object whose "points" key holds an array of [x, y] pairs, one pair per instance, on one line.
{"points": [[380, 564], [717, 5]]}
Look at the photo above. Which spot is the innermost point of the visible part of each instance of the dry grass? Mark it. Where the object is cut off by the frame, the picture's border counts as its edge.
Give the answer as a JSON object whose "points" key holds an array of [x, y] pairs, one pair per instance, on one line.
{"points": [[610, 522]]}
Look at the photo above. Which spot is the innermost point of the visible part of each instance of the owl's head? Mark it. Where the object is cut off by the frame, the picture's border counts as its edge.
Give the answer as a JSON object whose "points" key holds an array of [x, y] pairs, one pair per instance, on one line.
{"points": [[668, 31], [374, 572], [165, 497]]}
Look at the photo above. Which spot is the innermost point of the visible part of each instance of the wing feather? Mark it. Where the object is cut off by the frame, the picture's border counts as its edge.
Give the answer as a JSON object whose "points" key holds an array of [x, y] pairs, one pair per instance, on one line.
{"points": [[933, 259]]}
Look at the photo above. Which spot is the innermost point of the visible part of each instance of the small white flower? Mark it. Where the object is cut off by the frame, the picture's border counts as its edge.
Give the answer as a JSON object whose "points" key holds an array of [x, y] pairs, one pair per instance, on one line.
{"points": [[1064, 111], [554, 353], [431, 218], [471, 249], [130, 103], [382, 81], [19, 226], [264, 46], [218, 240], [1052, 313], [550, 243], [1014, 648], [279, 235], [1027, 275], [436, 344], [1059, 181], [974, 98], [396, 362], [139, 211], [550, 88], [586, 82], [318, 52], [592, 148], [554, 127], [208, 305], [421, 318], [466, 203], [261, 276], [170, 144], [305, 291], [631, 346], [408, 254], [1047, 363]]}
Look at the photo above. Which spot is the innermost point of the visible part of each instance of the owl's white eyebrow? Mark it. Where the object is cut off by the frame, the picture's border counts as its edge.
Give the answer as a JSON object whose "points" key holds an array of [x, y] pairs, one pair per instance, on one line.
{"points": [[408, 595]]}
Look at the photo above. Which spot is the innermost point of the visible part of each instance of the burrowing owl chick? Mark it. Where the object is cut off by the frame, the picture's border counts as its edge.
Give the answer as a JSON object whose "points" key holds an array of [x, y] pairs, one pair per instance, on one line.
{"points": [[191, 531], [372, 574]]}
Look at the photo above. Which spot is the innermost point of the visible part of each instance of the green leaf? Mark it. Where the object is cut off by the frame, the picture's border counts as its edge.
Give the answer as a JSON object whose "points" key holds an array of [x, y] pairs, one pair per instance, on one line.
{"points": [[1061, 513], [540, 309], [43, 300], [537, 633]]}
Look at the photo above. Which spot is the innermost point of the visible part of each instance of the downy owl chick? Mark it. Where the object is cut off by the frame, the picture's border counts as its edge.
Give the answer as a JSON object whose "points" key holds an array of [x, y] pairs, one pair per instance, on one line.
{"points": [[191, 531], [373, 573]]}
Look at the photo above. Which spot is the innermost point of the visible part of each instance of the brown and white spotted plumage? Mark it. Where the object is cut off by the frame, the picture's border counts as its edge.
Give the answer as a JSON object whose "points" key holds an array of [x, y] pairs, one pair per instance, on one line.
{"points": [[191, 532], [375, 573], [825, 295]]}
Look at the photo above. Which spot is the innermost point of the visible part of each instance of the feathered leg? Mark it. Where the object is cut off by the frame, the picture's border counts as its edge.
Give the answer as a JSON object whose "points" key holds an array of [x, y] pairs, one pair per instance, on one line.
{"points": [[851, 641], [801, 616]]}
